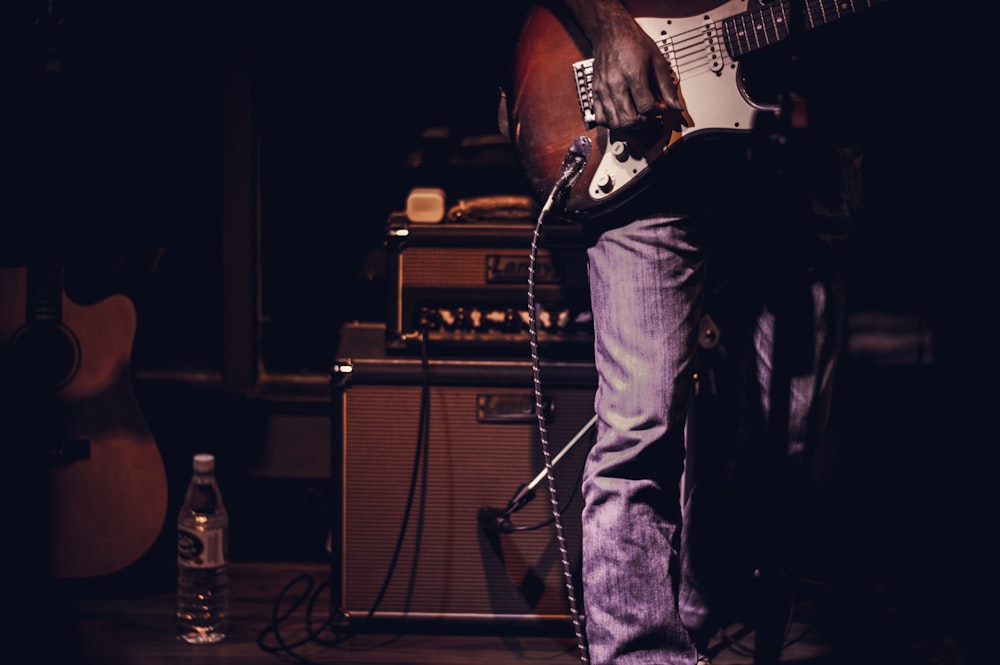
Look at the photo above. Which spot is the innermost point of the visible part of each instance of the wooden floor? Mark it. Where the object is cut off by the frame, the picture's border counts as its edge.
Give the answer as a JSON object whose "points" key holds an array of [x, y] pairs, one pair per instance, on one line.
{"points": [[898, 572], [130, 625]]}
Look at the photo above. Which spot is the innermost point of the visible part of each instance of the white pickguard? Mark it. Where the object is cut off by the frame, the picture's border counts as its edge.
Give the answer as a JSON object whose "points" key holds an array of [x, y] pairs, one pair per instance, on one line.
{"points": [[709, 84]]}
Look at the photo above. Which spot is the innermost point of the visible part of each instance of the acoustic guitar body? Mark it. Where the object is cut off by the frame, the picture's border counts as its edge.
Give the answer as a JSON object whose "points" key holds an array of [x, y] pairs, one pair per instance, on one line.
{"points": [[68, 366]]}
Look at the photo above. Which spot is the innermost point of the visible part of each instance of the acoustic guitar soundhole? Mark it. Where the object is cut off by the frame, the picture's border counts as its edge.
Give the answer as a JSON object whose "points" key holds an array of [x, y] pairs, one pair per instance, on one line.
{"points": [[46, 356]]}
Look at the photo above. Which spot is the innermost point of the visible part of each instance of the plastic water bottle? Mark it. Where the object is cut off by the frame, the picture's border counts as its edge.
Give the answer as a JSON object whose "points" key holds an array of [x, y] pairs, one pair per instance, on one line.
{"points": [[202, 557]]}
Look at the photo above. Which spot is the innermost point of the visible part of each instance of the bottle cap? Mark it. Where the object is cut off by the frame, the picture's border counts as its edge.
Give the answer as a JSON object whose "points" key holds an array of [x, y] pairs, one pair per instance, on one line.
{"points": [[204, 462]]}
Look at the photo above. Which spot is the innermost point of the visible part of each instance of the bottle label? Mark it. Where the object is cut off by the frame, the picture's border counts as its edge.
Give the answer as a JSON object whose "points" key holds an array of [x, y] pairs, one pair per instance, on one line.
{"points": [[200, 549]]}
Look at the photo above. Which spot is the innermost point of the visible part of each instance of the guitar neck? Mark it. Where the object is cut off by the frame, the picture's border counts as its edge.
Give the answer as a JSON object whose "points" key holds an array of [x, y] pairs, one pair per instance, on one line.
{"points": [[752, 30], [44, 292]]}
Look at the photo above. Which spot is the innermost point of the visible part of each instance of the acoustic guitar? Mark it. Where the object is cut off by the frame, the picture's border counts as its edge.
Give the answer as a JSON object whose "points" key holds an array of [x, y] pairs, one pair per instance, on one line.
{"points": [[69, 366], [551, 101]]}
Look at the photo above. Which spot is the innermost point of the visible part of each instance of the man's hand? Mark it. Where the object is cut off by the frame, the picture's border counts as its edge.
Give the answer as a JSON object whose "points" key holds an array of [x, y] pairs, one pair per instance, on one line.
{"points": [[633, 81]]}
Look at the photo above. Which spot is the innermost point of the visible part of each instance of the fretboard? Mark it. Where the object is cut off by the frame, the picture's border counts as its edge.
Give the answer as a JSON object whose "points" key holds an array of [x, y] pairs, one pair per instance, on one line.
{"points": [[755, 29]]}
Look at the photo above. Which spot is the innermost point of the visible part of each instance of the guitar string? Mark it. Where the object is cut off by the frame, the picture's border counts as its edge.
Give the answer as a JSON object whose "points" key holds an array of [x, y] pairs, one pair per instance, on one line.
{"points": [[689, 48]]}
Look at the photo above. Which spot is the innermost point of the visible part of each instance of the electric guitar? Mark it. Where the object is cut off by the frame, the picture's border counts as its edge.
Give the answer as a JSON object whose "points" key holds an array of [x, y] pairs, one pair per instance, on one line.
{"points": [[551, 101], [68, 368]]}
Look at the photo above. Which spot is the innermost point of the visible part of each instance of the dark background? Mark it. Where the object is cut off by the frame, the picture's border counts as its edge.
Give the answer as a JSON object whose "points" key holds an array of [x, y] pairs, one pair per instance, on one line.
{"points": [[129, 139], [129, 133], [118, 163]]}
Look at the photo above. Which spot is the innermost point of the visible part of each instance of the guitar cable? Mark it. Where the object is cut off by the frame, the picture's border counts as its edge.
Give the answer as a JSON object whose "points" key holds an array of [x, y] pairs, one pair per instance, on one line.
{"points": [[576, 159], [338, 631], [306, 599]]}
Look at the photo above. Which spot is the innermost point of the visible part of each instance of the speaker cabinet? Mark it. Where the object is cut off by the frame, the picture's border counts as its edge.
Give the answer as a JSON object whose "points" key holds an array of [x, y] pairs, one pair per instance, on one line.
{"points": [[428, 453]]}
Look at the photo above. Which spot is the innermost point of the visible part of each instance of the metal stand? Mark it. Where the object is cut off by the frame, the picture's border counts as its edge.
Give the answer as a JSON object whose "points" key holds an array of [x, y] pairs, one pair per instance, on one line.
{"points": [[500, 520]]}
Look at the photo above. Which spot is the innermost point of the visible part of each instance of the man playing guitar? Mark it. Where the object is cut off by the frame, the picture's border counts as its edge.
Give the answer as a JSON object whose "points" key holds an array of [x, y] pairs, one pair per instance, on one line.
{"points": [[645, 594]]}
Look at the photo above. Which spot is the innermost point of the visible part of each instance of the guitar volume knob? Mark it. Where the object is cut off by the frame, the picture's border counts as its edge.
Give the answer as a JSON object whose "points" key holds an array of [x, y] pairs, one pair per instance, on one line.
{"points": [[619, 150], [605, 182]]}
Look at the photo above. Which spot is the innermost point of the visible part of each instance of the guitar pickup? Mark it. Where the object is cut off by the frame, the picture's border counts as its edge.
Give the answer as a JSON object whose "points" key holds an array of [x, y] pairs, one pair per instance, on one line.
{"points": [[714, 49]]}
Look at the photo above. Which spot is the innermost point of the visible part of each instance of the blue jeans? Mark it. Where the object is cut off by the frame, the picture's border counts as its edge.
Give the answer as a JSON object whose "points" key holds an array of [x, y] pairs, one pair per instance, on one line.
{"points": [[648, 287]]}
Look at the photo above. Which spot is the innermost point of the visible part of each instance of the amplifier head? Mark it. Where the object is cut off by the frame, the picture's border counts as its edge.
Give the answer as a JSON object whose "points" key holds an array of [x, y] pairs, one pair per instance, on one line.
{"points": [[465, 287]]}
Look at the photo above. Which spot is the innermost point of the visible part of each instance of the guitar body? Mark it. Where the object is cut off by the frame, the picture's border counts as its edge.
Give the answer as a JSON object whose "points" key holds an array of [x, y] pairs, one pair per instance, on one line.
{"points": [[702, 39], [108, 481], [546, 116]]}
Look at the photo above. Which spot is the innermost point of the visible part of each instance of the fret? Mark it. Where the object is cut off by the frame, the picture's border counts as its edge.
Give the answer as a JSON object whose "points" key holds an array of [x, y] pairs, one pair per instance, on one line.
{"points": [[809, 16], [735, 29], [755, 30], [826, 6], [775, 23], [784, 17], [746, 29], [729, 36]]}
